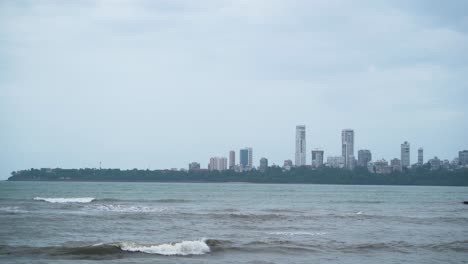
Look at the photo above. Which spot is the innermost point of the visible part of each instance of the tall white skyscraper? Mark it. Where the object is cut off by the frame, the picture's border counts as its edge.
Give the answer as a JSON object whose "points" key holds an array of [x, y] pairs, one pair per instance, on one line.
{"points": [[405, 154], [250, 163], [300, 145], [347, 147]]}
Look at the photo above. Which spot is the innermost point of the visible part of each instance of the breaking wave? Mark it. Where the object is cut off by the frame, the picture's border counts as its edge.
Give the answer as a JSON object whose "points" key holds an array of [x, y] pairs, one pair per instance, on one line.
{"points": [[66, 200], [205, 246], [184, 248], [114, 250]]}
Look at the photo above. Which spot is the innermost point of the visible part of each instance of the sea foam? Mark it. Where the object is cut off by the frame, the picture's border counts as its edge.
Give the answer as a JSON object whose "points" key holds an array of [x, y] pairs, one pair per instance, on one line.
{"points": [[117, 208], [66, 200], [184, 248]]}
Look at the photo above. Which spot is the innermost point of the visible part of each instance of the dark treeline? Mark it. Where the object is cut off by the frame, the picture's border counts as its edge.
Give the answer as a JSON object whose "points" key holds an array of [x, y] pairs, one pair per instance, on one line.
{"points": [[419, 176]]}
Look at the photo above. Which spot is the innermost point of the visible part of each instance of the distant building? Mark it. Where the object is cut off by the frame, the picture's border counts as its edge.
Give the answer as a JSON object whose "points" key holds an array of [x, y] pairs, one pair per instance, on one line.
{"points": [[364, 157], [246, 156], [263, 164], [446, 164], [395, 164], [194, 166], [420, 156], [317, 158], [300, 146], [381, 167], [232, 159], [405, 155], [463, 157], [218, 164], [435, 163], [347, 147], [287, 165], [335, 162]]}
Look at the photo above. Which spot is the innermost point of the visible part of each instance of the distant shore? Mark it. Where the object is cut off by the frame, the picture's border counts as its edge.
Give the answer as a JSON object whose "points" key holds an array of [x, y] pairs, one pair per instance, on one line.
{"points": [[360, 176]]}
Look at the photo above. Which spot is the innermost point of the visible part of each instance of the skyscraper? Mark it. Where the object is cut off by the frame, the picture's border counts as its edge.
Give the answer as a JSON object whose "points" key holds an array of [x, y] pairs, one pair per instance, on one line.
{"points": [[300, 146], [263, 164], [347, 147], [250, 160], [317, 158], [405, 155], [246, 157], [364, 157], [420, 156], [232, 159]]}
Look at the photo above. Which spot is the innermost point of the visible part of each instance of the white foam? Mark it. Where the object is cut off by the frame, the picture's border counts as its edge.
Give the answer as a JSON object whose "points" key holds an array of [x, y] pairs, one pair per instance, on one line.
{"points": [[358, 213], [12, 209], [66, 200], [184, 248], [297, 233], [117, 208]]}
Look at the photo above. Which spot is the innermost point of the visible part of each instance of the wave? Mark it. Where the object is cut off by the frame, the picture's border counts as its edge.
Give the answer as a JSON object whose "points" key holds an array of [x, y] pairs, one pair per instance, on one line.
{"points": [[184, 248], [12, 210], [117, 208], [297, 233], [101, 250], [66, 200], [143, 200], [207, 246]]}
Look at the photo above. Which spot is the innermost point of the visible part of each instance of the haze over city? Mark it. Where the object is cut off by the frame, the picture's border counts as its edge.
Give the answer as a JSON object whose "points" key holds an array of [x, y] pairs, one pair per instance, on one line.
{"points": [[159, 84]]}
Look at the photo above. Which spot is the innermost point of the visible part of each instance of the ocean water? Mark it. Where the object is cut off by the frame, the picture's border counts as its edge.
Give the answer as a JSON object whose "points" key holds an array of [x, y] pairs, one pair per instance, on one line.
{"points": [[54, 222]]}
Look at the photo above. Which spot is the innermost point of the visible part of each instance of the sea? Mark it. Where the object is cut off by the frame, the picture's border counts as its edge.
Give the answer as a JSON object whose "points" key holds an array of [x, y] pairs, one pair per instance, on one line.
{"points": [[123, 222]]}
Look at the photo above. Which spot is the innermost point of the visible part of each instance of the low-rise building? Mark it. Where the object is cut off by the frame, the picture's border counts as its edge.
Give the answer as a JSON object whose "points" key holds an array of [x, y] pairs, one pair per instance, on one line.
{"points": [[335, 162], [435, 163]]}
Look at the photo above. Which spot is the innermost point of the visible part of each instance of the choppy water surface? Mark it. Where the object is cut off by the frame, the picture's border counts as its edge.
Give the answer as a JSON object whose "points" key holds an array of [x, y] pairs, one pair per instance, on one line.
{"points": [[52, 222]]}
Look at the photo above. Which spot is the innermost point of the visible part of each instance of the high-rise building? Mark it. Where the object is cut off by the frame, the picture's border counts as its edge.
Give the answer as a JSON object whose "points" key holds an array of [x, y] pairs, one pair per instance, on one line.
{"points": [[347, 147], [232, 159], [364, 157], [218, 164], [463, 157], [395, 164], [194, 166], [420, 156], [317, 158], [405, 155], [250, 160], [263, 164], [300, 146], [246, 157]]}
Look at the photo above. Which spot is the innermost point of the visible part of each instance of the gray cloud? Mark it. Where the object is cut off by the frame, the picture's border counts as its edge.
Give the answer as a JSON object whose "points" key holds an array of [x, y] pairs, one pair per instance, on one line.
{"points": [[162, 83]]}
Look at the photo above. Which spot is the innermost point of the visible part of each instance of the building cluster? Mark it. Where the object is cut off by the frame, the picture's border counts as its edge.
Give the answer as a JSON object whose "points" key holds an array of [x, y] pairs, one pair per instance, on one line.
{"points": [[347, 159]]}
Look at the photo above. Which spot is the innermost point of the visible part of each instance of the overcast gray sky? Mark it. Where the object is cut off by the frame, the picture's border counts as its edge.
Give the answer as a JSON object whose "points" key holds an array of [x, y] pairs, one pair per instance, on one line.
{"points": [[158, 84]]}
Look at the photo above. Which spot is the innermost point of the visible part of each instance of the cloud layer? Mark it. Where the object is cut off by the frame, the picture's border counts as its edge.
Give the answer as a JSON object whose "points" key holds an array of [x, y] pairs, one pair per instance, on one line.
{"points": [[161, 83]]}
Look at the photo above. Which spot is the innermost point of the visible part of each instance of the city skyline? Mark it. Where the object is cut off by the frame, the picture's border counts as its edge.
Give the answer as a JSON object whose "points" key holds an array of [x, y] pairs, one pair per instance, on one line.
{"points": [[347, 159]]}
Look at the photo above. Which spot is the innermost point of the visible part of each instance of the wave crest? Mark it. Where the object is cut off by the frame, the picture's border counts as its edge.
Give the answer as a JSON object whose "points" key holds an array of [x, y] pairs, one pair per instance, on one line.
{"points": [[66, 200], [184, 248]]}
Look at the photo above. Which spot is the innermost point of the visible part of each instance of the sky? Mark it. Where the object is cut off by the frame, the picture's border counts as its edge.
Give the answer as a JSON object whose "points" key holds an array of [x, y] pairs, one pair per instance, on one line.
{"points": [[159, 84]]}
